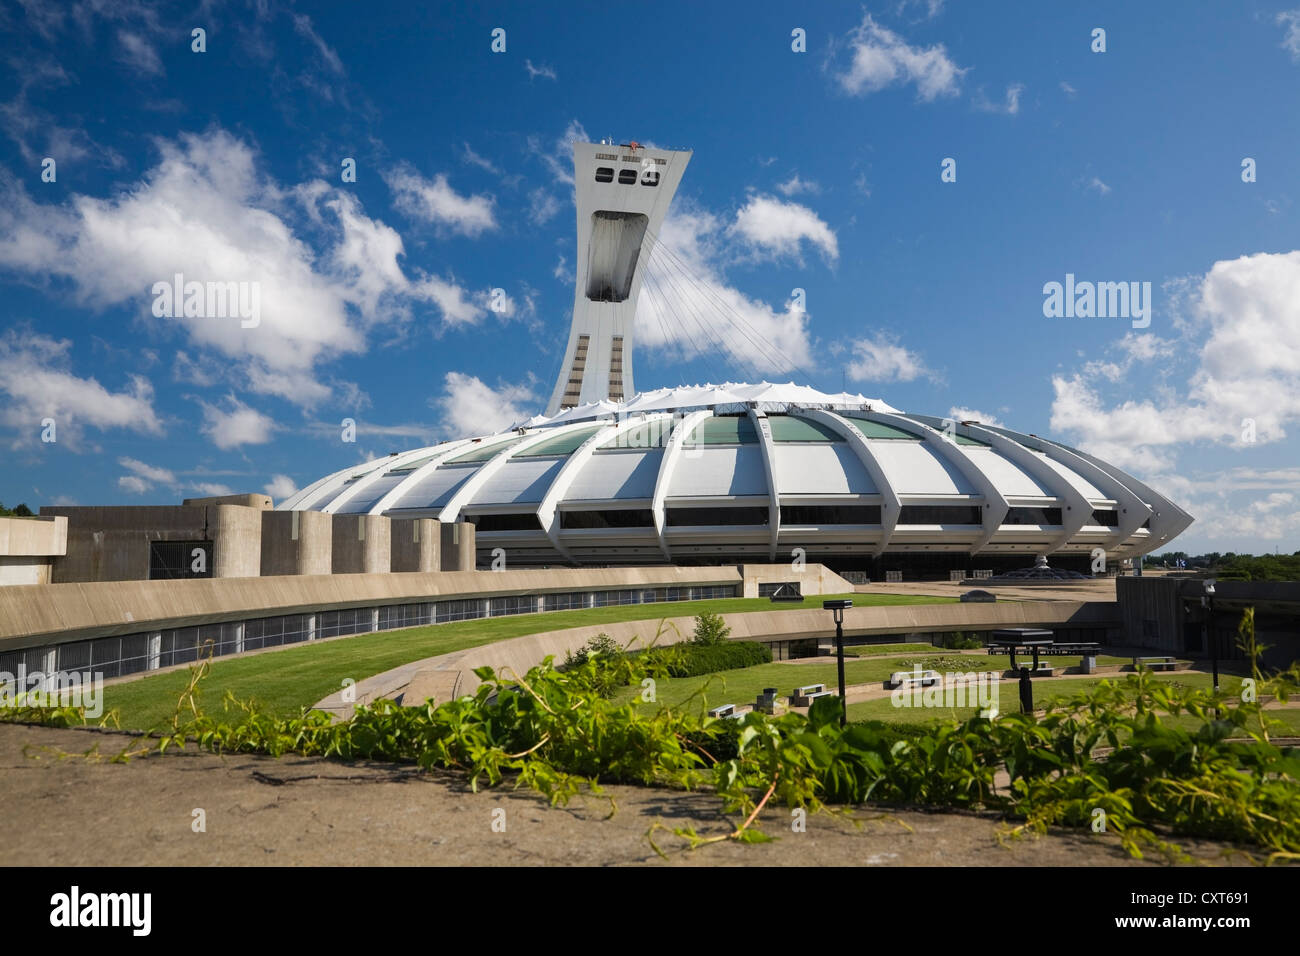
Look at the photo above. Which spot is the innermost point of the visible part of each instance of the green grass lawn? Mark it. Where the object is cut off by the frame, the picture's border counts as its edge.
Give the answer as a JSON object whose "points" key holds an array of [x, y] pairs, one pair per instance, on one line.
{"points": [[286, 680], [1045, 691], [743, 685], [876, 650]]}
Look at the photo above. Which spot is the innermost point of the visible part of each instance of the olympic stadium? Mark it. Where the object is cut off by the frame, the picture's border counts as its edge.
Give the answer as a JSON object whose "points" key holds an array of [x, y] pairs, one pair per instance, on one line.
{"points": [[729, 473]]}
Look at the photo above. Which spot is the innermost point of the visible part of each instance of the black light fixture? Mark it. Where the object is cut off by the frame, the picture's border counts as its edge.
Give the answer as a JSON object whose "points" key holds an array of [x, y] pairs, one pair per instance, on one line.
{"points": [[1207, 602], [837, 608]]}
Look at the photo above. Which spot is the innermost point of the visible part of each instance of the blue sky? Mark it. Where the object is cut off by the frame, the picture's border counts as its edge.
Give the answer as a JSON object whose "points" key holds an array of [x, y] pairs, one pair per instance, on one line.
{"points": [[816, 170]]}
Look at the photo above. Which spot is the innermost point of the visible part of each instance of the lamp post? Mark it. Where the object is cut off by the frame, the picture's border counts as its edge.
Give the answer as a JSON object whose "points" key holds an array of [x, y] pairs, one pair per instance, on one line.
{"points": [[837, 609], [1207, 602]]}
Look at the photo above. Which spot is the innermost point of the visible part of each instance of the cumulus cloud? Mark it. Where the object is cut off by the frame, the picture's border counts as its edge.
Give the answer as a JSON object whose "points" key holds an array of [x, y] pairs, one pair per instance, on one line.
{"points": [[325, 272], [777, 229], [236, 424], [469, 406], [1242, 346], [434, 201], [141, 477], [689, 308], [37, 380], [880, 58], [879, 358], [962, 414], [281, 487]]}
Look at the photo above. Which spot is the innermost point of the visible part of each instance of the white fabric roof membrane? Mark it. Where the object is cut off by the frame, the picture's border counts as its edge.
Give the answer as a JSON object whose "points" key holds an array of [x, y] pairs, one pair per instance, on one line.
{"points": [[1008, 477], [704, 396]]}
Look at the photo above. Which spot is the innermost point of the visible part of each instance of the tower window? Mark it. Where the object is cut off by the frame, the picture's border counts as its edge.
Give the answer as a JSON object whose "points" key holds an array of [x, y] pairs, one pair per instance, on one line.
{"points": [[627, 177], [650, 177], [604, 174]]}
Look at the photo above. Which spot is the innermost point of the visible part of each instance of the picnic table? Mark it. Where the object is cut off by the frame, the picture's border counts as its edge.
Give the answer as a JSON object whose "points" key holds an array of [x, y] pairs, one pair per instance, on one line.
{"points": [[1012, 639]]}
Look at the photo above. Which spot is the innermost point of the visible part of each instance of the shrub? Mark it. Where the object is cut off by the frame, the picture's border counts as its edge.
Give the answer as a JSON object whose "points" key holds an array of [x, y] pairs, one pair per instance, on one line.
{"points": [[957, 641], [602, 646], [710, 629], [698, 659]]}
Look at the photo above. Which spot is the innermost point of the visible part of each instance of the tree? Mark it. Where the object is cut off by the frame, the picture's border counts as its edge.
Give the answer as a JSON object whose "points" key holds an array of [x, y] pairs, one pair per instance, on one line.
{"points": [[710, 629]]}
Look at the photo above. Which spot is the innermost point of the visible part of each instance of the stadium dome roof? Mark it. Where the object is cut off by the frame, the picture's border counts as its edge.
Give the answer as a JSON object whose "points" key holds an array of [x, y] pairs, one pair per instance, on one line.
{"points": [[750, 472]]}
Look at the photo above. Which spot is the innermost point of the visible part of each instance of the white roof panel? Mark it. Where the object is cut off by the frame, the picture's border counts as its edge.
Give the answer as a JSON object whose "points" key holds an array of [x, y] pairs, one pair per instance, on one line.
{"points": [[810, 469], [617, 475], [519, 481], [913, 469], [435, 490], [704, 471], [1084, 486], [1008, 477]]}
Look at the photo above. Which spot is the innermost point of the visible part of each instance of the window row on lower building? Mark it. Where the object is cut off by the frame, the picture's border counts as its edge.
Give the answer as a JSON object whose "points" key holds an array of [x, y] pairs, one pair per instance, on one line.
{"points": [[135, 653]]}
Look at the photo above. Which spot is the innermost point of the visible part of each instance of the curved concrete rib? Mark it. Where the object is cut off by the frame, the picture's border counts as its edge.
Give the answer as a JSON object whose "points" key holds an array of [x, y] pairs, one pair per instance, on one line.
{"points": [[667, 465], [996, 505], [466, 492], [891, 506], [764, 429], [1077, 507]]}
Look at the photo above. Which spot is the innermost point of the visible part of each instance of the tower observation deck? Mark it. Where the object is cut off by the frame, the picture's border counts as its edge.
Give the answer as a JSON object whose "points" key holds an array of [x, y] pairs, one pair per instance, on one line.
{"points": [[622, 193]]}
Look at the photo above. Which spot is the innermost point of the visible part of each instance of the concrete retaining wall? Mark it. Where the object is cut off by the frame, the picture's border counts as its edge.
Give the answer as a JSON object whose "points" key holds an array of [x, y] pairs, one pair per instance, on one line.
{"points": [[415, 544], [296, 542], [361, 545], [56, 613], [457, 547]]}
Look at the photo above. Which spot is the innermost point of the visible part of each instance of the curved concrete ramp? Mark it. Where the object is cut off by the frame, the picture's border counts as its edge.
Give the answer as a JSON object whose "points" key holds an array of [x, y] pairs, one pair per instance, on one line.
{"points": [[449, 676]]}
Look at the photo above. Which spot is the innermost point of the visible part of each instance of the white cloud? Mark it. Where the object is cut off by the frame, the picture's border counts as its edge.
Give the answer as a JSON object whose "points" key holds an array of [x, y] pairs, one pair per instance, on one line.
{"points": [[1067, 89], [558, 158], [471, 407], [142, 477], [302, 23], [1096, 184], [544, 206], [794, 185], [36, 378], [688, 307], [208, 489], [1291, 41], [1242, 346], [236, 425], [881, 58], [280, 487], [206, 211], [434, 201], [133, 485], [879, 358], [1011, 106], [777, 228], [138, 54], [962, 414], [482, 162], [545, 72], [452, 300]]}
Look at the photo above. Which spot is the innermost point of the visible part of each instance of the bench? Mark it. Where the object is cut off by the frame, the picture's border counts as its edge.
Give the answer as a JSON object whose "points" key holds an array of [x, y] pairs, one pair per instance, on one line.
{"points": [[804, 696], [725, 710], [1155, 663], [1044, 669], [924, 678]]}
